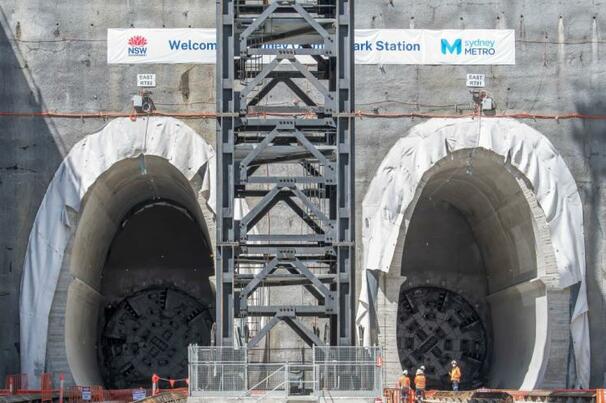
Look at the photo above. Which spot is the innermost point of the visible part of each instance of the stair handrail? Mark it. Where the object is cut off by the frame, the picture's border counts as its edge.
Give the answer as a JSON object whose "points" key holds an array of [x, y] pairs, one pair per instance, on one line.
{"points": [[281, 368]]}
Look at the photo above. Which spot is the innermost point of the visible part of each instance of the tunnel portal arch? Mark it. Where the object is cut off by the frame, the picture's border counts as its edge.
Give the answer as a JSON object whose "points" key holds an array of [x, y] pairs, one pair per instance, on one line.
{"points": [[140, 263], [124, 164], [472, 233], [548, 188]]}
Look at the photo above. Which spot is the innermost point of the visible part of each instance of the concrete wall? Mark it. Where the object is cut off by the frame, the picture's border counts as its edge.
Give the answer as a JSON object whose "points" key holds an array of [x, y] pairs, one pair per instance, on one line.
{"points": [[53, 58]]}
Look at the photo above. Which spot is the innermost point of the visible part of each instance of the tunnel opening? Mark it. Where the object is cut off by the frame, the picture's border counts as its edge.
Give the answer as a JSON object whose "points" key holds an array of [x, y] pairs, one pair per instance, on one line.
{"points": [[469, 260], [141, 260], [156, 295]]}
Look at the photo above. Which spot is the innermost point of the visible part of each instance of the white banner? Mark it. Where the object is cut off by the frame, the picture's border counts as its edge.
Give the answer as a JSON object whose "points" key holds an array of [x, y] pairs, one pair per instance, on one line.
{"points": [[372, 46], [422, 46], [141, 45]]}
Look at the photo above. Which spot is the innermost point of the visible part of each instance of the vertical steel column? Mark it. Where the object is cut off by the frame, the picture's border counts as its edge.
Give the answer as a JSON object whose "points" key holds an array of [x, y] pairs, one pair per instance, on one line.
{"points": [[346, 181], [307, 46], [226, 105]]}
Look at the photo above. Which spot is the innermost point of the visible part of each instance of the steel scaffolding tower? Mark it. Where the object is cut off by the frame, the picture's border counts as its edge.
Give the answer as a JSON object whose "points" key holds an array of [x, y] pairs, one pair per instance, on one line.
{"points": [[306, 150]]}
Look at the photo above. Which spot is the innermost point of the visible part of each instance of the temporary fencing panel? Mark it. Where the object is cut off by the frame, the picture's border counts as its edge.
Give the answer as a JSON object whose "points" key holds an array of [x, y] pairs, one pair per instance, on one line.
{"points": [[350, 371], [217, 370]]}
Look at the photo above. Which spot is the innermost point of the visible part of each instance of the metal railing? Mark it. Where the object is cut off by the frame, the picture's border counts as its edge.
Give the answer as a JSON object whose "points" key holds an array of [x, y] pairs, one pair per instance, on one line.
{"points": [[336, 371], [267, 379], [284, 380]]}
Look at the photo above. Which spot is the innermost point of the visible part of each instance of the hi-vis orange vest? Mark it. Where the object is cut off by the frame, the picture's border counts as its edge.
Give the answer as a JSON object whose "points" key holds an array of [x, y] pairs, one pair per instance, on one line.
{"points": [[420, 381], [455, 374], [404, 381]]}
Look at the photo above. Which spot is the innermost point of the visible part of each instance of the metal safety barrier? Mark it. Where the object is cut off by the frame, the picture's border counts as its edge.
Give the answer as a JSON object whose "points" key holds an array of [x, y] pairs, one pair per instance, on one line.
{"points": [[217, 370], [334, 371], [350, 371]]}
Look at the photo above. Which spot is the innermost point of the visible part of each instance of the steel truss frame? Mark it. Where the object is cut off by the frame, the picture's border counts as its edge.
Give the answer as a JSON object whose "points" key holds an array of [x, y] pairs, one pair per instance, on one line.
{"points": [[316, 133]]}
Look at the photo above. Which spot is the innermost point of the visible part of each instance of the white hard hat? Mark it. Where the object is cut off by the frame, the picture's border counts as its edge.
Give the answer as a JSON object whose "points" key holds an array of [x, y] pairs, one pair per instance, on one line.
{"points": [[419, 371], [453, 362], [405, 372]]}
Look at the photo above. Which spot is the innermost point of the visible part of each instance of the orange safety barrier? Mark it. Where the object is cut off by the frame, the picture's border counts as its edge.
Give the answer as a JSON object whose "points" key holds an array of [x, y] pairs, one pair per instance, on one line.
{"points": [[86, 394], [46, 387], [81, 394], [15, 382], [126, 395], [92, 393], [155, 380], [393, 395]]}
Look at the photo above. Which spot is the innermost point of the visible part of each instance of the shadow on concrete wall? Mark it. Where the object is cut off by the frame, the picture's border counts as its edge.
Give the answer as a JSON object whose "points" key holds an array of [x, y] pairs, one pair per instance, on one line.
{"points": [[28, 159], [590, 136]]}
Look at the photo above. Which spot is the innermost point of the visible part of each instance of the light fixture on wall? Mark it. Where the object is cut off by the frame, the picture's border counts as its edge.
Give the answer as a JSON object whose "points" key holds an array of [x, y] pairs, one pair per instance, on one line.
{"points": [[484, 102], [143, 102]]}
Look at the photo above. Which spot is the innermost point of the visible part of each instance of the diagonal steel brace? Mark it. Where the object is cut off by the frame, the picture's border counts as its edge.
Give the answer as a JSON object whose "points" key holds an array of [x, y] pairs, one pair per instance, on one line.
{"points": [[260, 20]]}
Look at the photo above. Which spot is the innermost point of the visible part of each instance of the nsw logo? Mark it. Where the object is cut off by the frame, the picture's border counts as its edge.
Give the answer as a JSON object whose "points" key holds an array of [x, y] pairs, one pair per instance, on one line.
{"points": [[455, 47], [137, 46]]}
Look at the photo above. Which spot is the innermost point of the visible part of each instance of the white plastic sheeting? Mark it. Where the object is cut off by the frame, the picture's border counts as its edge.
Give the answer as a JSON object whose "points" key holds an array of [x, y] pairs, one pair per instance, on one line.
{"points": [[88, 159], [393, 188]]}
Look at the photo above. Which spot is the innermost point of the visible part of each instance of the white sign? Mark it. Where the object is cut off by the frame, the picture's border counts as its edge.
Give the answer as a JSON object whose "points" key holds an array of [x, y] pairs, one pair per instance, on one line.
{"points": [[476, 80], [139, 394], [86, 393], [146, 80], [371, 46]]}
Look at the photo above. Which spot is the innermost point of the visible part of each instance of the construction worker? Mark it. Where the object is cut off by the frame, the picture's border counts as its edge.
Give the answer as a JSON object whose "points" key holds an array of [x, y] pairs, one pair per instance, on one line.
{"points": [[455, 375], [420, 385], [404, 384]]}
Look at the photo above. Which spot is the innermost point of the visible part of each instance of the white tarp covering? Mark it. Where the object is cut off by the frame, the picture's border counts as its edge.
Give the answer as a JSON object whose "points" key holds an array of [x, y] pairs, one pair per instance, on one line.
{"points": [[88, 159], [393, 188], [372, 46]]}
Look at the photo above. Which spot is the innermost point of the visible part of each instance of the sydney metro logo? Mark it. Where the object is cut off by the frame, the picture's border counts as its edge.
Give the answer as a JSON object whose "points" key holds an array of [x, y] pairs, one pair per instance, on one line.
{"points": [[137, 46], [475, 47]]}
